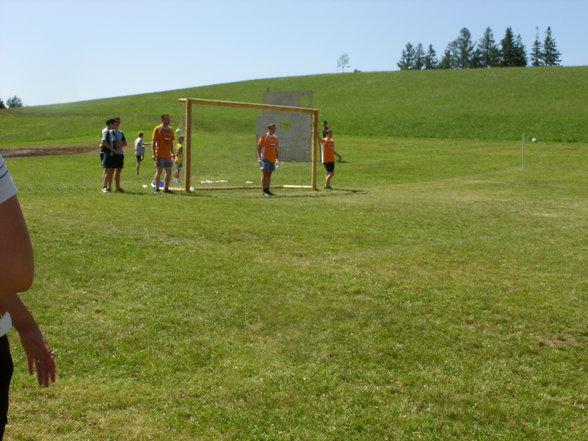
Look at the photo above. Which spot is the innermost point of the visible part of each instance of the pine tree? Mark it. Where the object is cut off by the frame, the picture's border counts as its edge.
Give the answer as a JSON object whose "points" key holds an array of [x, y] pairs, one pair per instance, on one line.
{"points": [[520, 52], [464, 49], [537, 51], [2, 106], [13, 102], [431, 58], [508, 49], [419, 57], [550, 53], [447, 59], [489, 54], [476, 60], [407, 60]]}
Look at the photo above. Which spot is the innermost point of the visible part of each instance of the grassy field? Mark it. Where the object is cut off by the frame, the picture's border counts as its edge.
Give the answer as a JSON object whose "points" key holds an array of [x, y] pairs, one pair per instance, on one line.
{"points": [[438, 293], [492, 104]]}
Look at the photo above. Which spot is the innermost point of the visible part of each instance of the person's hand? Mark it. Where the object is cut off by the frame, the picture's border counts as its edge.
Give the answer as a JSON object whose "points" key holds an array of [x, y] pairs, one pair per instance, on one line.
{"points": [[39, 356]]}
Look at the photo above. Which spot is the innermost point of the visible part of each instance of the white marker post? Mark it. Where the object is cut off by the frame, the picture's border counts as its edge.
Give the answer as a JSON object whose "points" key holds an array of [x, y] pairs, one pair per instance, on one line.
{"points": [[523, 152]]}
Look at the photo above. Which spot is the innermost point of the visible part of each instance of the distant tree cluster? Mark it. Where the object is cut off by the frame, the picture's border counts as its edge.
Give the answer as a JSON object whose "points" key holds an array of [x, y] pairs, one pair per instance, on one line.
{"points": [[464, 53], [11, 102]]}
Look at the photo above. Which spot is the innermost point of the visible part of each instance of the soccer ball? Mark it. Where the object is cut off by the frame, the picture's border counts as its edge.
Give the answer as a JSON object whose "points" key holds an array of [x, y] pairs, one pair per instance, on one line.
{"points": [[534, 140], [178, 131]]}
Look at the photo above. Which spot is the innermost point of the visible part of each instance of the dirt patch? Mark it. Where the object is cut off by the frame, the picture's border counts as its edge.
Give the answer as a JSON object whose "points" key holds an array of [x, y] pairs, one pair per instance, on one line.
{"points": [[48, 151], [559, 340]]}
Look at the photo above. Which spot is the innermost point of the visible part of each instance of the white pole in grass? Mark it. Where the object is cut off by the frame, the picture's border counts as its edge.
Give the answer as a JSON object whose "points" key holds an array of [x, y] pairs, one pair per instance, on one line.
{"points": [[523, 152]]}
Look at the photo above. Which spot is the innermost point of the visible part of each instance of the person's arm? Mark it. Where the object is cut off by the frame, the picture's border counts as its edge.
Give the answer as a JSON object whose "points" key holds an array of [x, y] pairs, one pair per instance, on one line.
{"points": [[39, 355], [16, 252], [16, 274], [259, 143]]}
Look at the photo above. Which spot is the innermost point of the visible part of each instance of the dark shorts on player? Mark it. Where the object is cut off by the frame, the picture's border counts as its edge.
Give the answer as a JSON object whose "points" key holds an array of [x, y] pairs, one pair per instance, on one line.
{"points": [[119, 161], [107, 160], [329, 166], [6, 369], [267, 165], [164, 162], [139, 158]]}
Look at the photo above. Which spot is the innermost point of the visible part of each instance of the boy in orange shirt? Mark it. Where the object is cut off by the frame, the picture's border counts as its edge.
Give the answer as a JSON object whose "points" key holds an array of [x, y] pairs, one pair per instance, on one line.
{"points": [[163, 152], [328, 157], [267, 156]]}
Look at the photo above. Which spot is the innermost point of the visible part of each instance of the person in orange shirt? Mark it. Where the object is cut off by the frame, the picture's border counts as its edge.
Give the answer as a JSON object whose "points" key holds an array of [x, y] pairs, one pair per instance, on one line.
{"points": [[163, 152], [268, 158], [328, 157]]}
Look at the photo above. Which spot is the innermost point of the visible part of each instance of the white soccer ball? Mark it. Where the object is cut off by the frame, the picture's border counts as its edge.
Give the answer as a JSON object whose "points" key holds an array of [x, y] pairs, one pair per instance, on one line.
{"points": [[178, 131], [534, 140]]}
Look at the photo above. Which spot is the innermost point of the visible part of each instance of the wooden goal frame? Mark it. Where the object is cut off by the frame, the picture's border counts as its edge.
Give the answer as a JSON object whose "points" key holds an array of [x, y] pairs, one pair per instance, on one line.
{"points": [[189, 102]]}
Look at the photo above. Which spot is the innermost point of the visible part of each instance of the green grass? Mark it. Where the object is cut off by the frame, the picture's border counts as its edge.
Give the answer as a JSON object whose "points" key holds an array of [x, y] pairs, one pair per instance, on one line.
{"points": [[440, 292], [491, 104]]}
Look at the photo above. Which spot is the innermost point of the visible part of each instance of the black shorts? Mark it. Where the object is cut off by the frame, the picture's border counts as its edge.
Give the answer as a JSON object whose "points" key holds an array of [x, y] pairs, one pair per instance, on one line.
{"points": [[119, 161], [6, 368], [329, 166], [107, 160], [139, 158]]}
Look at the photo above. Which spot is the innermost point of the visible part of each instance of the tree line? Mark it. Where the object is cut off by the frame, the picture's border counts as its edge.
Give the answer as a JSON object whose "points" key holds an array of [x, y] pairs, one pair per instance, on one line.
{"points": [[464, 53], [11, 102]]}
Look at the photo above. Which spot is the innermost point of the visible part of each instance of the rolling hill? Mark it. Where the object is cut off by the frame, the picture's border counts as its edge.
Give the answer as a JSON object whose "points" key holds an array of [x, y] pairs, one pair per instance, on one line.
{"points": [[495, 104]]}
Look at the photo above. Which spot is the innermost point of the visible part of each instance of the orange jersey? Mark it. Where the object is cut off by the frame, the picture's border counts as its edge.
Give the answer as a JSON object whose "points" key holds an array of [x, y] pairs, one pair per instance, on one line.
{"points": [[269, 147], [327, 150], [163, 138]]}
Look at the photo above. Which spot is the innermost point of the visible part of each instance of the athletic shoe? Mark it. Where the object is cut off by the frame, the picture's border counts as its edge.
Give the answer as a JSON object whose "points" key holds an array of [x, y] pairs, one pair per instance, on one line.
{"points": [[328, 187], [156, 191], [265, 193], [167, 190], [105, 190], [120, 190]]}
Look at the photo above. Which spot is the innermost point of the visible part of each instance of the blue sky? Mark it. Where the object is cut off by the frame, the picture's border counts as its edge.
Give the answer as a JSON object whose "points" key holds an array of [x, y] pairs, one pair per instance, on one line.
{"points": [[72, 50]]}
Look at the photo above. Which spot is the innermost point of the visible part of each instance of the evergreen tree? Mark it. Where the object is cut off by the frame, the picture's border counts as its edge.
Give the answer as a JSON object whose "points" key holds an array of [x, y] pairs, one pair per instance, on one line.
{"points": [[508, 49], [419, 57], [407, 60], [476, 60], [550, 53], [431, 58], [489, 54], [14, 102], [537, 51], [447, 59], [2, 106], [464, 49], [520, 52]]}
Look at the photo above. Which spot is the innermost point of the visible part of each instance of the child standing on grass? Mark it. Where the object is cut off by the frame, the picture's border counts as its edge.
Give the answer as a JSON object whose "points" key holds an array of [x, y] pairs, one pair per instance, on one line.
{"points": [[267, 156], [163, 151], [119, 154], [107, 155], [328, 157], [16, 275], [179, 159], [140, 149]]}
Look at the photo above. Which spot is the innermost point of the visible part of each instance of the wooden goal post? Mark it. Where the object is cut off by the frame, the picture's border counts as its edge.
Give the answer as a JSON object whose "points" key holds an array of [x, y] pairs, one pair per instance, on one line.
{"points": [[189, 102]]}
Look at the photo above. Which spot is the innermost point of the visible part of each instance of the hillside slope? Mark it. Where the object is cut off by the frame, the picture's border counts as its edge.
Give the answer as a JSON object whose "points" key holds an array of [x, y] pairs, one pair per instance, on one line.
{"points": [[547, 103]]}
